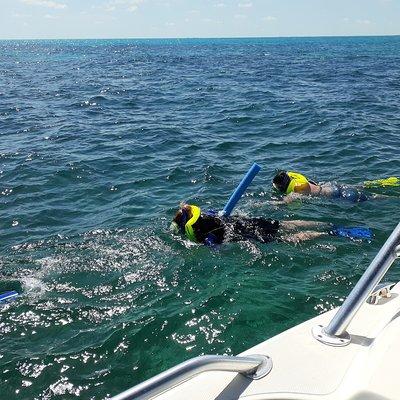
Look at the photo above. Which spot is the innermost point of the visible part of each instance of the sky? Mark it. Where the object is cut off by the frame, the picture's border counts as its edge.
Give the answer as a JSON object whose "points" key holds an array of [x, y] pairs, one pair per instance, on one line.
{"points": [[58, 19]]}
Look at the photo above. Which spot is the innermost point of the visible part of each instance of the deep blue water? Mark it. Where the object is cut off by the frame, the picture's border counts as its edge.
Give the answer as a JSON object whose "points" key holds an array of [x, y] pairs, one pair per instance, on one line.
{"points": [[99, 142]]}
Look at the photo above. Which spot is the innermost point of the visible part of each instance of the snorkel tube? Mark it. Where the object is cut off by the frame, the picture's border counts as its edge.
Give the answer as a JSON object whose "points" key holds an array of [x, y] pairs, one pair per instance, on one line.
{"points": [[241, 188]]}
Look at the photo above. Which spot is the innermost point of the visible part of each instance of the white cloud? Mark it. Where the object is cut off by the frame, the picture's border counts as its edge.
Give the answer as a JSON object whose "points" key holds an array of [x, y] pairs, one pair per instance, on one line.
{"points": [[170, 24], [357, 21], [212, 21], [249, 4], [363, 21], [240, 16], [220, 5], [49, 16], [107, 7], [18, 15], [129, 5], [269, 18], [45, 3]]}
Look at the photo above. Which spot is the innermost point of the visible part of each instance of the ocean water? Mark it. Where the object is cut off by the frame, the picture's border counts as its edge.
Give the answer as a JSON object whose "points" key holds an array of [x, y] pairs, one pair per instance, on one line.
{"points": [[99, 142]]}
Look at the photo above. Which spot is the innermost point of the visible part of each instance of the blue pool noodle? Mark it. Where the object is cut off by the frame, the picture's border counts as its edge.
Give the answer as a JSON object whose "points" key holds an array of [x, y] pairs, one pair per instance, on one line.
{"points": [[8, 295], [243, 185]]}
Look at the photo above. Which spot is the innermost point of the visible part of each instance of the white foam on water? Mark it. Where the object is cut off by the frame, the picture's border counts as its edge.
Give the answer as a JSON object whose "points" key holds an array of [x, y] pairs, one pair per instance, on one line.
{"points": [[33, 287]]}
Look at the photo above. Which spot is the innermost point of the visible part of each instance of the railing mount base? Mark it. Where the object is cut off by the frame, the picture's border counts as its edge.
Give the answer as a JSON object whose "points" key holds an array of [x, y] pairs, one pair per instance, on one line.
{"points": [[319, 333]]}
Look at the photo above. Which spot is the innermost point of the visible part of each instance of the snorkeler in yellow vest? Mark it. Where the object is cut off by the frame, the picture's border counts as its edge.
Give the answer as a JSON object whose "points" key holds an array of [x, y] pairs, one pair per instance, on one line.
{"points": [[295, 184], [210, 229]]}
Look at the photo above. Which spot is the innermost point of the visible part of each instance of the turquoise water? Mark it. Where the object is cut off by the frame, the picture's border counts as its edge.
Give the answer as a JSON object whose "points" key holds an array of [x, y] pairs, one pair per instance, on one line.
{"points": [[99, 142]]}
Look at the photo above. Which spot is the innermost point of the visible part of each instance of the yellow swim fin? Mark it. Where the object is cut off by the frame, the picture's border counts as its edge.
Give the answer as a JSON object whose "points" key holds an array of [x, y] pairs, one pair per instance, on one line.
{"points": [[391, 181]]}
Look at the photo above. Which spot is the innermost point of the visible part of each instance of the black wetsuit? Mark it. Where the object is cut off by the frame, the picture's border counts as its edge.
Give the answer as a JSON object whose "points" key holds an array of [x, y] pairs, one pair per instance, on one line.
{"points": [[218, 230]]}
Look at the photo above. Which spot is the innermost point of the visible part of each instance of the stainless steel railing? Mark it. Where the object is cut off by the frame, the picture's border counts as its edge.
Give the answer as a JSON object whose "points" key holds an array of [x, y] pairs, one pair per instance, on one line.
{"points": [[253, 367], [335, 333]]}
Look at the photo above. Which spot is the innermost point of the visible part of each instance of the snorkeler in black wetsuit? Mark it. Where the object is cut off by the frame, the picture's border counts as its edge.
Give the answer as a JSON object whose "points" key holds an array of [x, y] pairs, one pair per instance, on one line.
{"points": [[209, 228]]}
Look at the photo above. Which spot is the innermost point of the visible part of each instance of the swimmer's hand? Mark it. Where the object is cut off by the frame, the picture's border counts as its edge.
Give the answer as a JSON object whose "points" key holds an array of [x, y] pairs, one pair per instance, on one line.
{"points": [[290, 198], [293, 197], [287, 199], [276, 202], [210, 240]]}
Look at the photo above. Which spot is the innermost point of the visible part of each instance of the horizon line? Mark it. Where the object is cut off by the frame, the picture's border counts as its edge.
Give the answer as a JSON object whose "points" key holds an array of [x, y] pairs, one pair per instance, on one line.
{"points": [[203, 37]]}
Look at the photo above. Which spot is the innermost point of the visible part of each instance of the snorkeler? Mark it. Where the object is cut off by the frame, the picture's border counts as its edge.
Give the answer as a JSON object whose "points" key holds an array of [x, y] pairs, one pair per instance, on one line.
{"points": [[295, 184], [210, 229]]}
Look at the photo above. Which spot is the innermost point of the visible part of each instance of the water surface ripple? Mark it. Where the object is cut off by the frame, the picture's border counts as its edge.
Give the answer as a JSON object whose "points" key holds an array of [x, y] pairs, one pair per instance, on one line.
{"points": [[100, 140]]}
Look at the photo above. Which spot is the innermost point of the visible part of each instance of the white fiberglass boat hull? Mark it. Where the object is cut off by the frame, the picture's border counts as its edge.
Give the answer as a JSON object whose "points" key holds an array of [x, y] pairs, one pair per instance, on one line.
{"points": [[306, 369]]}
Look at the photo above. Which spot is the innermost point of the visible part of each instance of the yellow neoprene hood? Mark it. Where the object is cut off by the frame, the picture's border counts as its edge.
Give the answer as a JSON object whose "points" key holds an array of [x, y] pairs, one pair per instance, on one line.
{"points": [[196, 211], [297, 180]]}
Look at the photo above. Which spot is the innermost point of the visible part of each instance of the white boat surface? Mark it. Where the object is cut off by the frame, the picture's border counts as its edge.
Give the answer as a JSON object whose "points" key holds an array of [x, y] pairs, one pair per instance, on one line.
{"points": [[349, 353]]}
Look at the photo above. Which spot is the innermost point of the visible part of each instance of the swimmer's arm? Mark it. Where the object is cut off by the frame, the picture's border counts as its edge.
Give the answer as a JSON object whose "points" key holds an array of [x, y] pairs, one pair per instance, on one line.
{"points": [[287, 199], [300, 191], [292, 197]]}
